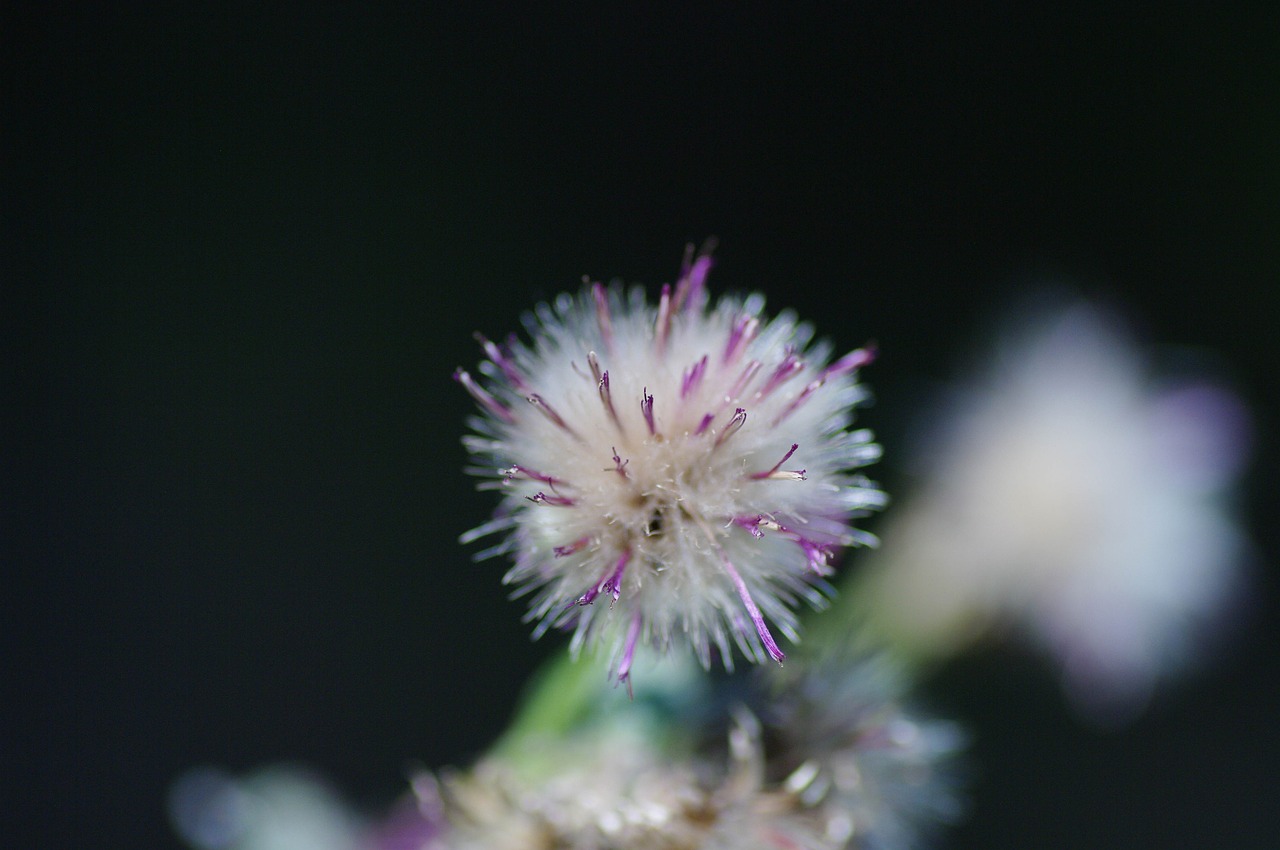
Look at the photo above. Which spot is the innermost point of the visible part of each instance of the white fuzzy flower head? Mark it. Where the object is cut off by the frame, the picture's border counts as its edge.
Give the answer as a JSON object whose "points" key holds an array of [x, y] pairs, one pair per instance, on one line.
{"points": [[676, 473], [1081, 502]]}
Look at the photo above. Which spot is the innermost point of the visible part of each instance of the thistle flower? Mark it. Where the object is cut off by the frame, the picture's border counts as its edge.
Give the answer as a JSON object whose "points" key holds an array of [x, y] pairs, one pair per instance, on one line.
{"points": [[1081, 501], [690, 466]]}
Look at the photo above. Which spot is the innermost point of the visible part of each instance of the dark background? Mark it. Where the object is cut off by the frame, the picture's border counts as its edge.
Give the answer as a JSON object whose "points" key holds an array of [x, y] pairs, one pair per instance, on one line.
{"points": [[247, 246]]}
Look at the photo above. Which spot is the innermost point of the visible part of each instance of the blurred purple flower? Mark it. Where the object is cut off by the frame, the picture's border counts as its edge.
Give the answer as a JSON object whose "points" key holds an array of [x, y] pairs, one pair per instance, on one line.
{"points": [[1078, 499]]}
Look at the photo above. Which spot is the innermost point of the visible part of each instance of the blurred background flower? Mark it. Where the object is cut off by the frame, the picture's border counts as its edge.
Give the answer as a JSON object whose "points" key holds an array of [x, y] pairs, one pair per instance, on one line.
{"points": [[1075, 496]]}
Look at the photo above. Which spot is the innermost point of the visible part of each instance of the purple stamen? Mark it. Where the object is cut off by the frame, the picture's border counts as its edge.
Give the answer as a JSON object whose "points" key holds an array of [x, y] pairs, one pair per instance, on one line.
{"points": [[606, 398], [502, 359], [602, 384], [757, 618], [646, 407], [735, 424], [744, 331], [610, 584], [698, 275], [755, 524], [613, 584], [800, 399], [777, 472], [524, 472], [620, 465], [693, 276], [576, 546], [663, 326], [705, 424], [628, 653], [787, 369], [483, 398], [602, 314], [693, 377], [541, 498], [550, 412], [852, 361], [819, 556]]}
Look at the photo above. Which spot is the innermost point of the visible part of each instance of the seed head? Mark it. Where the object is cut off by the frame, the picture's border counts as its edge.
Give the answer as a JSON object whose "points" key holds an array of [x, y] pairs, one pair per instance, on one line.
{"points": [[671, 474]]}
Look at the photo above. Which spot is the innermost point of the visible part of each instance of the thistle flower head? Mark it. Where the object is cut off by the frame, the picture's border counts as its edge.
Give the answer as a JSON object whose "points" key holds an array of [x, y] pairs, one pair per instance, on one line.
{"points": [[672, 473]]}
